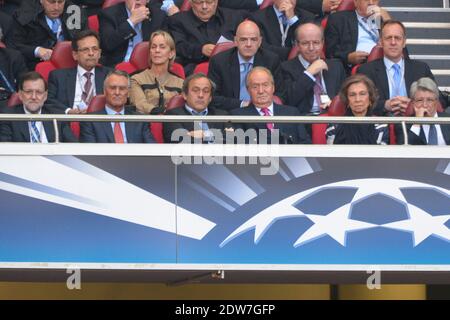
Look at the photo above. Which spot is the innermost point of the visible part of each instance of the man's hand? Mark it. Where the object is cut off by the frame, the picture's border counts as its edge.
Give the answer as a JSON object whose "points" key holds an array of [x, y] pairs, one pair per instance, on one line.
{"points": [[207, 49], [196, 134], [172, 10], [317, 66], [45, 53], [139, 14], [420, 111], [287, 8], [245, 103], [76, 111], [330, 5], [357, 57], [397, 105]]}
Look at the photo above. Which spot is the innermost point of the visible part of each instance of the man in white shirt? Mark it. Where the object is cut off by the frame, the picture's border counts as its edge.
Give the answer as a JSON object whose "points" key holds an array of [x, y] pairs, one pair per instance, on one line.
{"points": [[33, 94]]}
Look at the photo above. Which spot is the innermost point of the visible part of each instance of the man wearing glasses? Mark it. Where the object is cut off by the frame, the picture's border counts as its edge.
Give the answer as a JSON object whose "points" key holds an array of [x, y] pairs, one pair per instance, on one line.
{"points": [[425, 101], [310, 81], [33, 94], [197, 31], [74, 88], [36, 32], [228, 69]]}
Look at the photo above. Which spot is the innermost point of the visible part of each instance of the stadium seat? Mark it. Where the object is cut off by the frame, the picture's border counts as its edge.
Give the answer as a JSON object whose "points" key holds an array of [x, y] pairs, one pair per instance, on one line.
{"points": [[346, 5], [265, 4], [336, 108], [175, 102], [224, 46], [61, 58], [185, 6], [13, 100], [2, 45], [277, 100], [202, 67], [110, 3], [156, 128], [375, 53], [93, 23], [97, 103]]}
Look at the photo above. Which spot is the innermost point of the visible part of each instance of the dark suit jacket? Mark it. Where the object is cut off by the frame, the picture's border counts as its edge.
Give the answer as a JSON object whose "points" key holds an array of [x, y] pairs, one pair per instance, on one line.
{"points": [[268, 23], [300, 87], [31, 30], [224, 70], [5, 24], [62, 84], [102, 132], [17, 131], [115, 31], [341, 35], [170, 127], [185, 28], [376, 71], [289, 133], [12, 64], [414, 139]]}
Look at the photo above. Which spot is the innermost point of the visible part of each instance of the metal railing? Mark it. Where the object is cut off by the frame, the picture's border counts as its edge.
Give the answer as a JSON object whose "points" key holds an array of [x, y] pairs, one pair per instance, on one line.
{"points": [[225, 119]]}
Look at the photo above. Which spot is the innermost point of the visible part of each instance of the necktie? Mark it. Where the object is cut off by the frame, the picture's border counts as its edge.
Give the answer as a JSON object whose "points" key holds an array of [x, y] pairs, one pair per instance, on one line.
{"points": [[86, 95], [204, 125], [118, 135], [266, 113], [55, 28], [243, 93], [317, 91], [284, 21], [432, 135], [35, 134], [397, 79]]}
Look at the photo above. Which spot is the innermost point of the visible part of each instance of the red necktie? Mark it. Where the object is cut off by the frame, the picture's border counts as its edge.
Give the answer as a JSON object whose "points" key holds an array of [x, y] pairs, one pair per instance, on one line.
{"points": [[266, 112], [118, 135]]}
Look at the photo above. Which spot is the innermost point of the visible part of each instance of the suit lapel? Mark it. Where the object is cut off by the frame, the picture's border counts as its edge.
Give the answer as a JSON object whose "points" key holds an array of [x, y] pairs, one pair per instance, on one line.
{"points": [[353, 27], [108, 129], [71, 83], [235, 73], [49, 131], [23, 125], [382, 79], [44, 24], [99, 78]]}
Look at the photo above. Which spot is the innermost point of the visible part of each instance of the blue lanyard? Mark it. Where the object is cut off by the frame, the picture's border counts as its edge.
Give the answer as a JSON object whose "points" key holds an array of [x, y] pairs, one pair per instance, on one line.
{"points": [[372, 34], [10, 88]]}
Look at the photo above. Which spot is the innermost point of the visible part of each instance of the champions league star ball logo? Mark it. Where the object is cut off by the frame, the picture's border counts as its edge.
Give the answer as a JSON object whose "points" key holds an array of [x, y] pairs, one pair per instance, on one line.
{"points": [[340, 222]]}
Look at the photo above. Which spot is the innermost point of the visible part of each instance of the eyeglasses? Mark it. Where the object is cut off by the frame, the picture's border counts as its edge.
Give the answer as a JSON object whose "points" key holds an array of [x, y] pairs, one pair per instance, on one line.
{"points": [[306, 44], [208, 2], [29, 93], [422, 101], [87, 50]]}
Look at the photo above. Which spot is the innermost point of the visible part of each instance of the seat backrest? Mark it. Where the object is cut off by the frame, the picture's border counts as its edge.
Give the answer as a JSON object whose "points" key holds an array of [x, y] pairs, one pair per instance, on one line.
{"points": [[97, 103], [2, 45], [336, 108], [13, 100], [185, 6], [223, 46], [126, 66], [178, 70], [93, 23], [44, 68], [346, 5], [265, 4], [376, 53], [110, 3], [318, 131], [139, 56], [202, 67], [62, 55], [293, 53], [176, 101]]}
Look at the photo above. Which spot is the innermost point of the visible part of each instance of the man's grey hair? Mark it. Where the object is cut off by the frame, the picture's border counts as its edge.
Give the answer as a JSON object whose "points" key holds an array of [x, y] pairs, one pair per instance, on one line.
{"points": [[424, 84], [118, 73], [259, 68]]}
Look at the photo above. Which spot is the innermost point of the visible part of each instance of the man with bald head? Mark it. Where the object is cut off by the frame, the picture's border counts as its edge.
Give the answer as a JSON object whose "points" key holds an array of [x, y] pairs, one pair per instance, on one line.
{"points": [[197, 31], [351, 35], [229, 69], [311, 82]]}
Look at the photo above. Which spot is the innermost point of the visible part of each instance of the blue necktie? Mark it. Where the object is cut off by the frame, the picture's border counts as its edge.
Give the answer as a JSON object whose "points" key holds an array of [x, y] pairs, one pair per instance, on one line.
{"points": [[243, 93], [284, 21], [55, 27], [35, 135], [397, 79], [432, 135], [204, 125]]}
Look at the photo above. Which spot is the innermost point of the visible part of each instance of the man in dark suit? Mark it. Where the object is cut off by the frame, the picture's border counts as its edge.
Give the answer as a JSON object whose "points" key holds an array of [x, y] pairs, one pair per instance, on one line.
{"points": [[125, 25], [260, 85], [393, 74], [425, 100], [197, 91], [116, 87], [278, 23], [74, 88], [228, 69], [197, 31], [351, 35], [310, 82], [33, 94], [35, 33]]}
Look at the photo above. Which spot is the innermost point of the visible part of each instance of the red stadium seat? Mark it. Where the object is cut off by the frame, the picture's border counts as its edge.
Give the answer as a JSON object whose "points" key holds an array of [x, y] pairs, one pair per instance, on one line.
{"points": [[375, 54], [202, 67], [265, 4], [110, 3], [185, 6], [61, 58], [13, 100], [93, 23], [336, 108], [156, 128], [175, 102], [221, 47], [2, 45], [97, 103], [277, 100], [346, 5], [177, 69]]}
